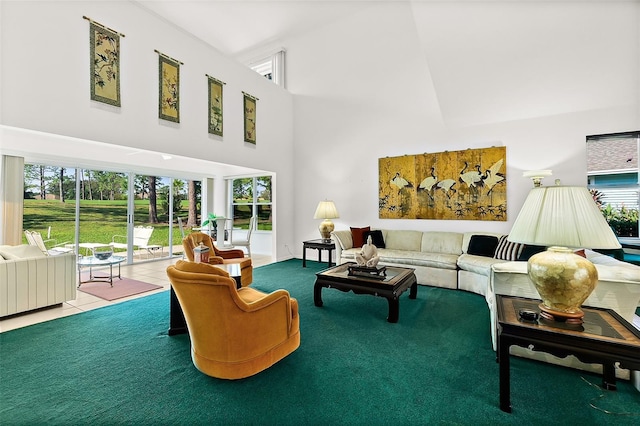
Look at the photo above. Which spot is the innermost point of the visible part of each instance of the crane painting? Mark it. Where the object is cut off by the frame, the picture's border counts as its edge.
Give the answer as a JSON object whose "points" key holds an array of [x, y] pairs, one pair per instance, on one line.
{"points": [[458, 185]]}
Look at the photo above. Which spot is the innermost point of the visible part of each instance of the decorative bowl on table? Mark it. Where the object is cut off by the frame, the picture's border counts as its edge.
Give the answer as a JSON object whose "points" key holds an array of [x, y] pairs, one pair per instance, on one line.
{"points": [[103, 253]]}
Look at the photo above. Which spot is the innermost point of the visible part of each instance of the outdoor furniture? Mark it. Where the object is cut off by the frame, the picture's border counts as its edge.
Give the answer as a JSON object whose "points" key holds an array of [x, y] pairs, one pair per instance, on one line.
{"points": [[234, 333], [246, 242], [141, 237], [93, 262], [34, 238]]}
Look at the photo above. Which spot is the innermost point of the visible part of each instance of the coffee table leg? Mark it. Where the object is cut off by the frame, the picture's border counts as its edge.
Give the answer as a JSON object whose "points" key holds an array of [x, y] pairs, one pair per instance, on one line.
{"points": [[394, 309], [317, 295], [413, 291], [609, 376]]}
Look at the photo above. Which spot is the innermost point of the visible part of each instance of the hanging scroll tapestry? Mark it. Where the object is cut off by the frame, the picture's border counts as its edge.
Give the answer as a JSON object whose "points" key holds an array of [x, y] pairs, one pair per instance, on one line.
{"points": [[105, 65]]}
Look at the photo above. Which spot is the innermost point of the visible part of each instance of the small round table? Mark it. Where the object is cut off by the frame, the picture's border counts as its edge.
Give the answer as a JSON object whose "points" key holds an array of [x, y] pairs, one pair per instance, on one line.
{"points": [[92, 262]]}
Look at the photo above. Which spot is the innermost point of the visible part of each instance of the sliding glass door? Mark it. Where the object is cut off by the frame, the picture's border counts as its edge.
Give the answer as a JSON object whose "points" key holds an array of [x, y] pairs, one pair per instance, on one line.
{"points": [[136, 215]]}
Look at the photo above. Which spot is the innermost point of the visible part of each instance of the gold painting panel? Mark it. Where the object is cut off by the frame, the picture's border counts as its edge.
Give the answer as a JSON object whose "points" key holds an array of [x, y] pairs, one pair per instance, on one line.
{"points": [[169, 89], [105, 65], [450, 185], [397, 189]]}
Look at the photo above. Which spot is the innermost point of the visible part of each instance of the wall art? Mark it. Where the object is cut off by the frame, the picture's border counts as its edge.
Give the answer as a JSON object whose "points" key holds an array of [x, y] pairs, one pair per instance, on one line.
{"points": [[457, 185], [249, 118], [215, 105], [168, 88], [105, 63]]}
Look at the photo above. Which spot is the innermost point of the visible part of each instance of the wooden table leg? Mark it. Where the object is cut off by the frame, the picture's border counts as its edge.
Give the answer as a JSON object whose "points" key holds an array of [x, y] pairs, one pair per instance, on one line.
{"points": [[317, 295], [394, 309], [304, 256], [609, 376], [505, 385]]}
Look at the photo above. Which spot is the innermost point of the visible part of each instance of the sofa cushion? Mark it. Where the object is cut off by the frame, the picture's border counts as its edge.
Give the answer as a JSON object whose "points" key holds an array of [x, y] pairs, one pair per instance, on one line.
{"points": [[441, 242], [376, 238], [483, 245], [403, 240], [529, 250], [507, 250], [357, 235], [20, 252]]}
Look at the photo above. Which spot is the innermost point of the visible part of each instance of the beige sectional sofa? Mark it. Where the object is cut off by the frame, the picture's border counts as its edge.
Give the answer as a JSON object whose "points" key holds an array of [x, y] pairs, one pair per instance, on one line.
{"points": [[442, 259], [30, 280]]}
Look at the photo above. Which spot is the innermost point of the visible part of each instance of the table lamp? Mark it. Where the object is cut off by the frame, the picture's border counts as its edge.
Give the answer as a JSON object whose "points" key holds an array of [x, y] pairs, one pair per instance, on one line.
{"points": [[326, 210], [565, 218]]}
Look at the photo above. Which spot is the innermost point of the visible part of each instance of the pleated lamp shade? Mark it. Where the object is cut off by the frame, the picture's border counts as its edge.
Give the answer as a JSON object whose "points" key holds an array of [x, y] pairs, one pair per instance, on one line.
{"points": [[562, 216]]}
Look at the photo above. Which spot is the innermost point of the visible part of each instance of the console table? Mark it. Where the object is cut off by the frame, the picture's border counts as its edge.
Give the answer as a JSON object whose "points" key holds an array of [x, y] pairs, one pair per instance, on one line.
{"points": [[319, 245], [604, 338]]}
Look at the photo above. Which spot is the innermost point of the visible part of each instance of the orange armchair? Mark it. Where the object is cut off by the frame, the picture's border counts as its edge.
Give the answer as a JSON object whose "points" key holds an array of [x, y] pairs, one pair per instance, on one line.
{"points": [[235, 333], [217, 257]]}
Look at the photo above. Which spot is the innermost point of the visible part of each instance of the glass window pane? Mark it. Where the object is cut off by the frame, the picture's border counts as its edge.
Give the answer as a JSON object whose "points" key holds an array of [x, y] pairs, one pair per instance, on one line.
{"points": [[263, 189], [243, 190], [264, 217], [242, 215]]}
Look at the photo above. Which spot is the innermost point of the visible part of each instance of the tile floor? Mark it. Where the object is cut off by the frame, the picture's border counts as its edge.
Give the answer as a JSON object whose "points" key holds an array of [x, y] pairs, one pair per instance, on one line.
{"points": [[151, 272]]}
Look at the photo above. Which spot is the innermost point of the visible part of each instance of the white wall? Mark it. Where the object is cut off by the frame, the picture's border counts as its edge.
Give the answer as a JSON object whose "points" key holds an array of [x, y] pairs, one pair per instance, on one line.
{"points": [[399, 78], [44, 81]]}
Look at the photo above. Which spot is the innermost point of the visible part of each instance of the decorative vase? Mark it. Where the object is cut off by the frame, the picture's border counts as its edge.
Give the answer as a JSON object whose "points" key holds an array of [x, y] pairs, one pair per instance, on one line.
{"points": [[564, 280]]}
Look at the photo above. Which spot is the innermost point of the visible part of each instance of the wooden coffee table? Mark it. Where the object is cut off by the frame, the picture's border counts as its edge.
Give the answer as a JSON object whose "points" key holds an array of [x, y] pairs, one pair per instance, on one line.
{"points": [[396, 281]]}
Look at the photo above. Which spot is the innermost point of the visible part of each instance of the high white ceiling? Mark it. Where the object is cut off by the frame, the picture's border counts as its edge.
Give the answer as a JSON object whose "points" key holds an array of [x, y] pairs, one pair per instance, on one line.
{"points": [[236, 27]]}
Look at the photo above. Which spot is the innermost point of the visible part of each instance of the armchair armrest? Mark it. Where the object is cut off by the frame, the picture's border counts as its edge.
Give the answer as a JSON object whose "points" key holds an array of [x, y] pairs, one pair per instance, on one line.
{"points": [[230, 254], [274, 307]]}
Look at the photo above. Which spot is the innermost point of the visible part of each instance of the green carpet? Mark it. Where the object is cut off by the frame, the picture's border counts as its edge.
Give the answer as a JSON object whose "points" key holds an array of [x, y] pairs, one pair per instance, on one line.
{"points": [[117, 365]]}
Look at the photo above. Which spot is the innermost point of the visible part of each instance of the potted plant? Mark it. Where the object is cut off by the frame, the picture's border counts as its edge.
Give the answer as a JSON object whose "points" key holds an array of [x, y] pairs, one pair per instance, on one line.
{"points": [[210, 220]]}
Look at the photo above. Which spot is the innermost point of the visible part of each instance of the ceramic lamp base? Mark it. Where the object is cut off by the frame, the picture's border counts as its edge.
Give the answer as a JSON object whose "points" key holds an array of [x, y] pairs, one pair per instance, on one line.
{"points": [[563, 280], [326, 228]]}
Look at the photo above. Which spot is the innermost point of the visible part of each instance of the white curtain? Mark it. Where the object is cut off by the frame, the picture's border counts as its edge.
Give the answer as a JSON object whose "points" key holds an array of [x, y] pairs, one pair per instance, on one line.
{"points": [[11, 199]]}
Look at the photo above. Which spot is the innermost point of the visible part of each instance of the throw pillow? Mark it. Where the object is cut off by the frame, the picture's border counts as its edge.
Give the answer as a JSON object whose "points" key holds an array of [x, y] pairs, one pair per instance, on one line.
{"points": [[483, 245], [507, 250], [529, 250], [23, 251], [376, 238], [357, 234]]}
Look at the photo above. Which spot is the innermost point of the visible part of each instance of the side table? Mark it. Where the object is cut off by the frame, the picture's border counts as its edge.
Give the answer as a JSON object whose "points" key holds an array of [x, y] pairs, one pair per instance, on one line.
{"points": [[93, 262], [604, 338], [320, 244]]}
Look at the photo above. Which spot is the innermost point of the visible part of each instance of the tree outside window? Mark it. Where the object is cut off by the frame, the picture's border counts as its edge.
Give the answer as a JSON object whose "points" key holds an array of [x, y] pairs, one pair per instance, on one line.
{"points": [[252, 197]]}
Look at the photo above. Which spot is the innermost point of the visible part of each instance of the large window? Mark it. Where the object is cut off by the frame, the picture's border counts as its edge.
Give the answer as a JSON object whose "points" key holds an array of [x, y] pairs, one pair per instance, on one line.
{"points": [[252, 197], [110, 205], [612, 172]]}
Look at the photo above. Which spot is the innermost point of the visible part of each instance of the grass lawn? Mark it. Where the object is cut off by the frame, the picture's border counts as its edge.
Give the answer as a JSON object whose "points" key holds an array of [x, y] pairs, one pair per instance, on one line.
{"points": [[99, 221]]}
